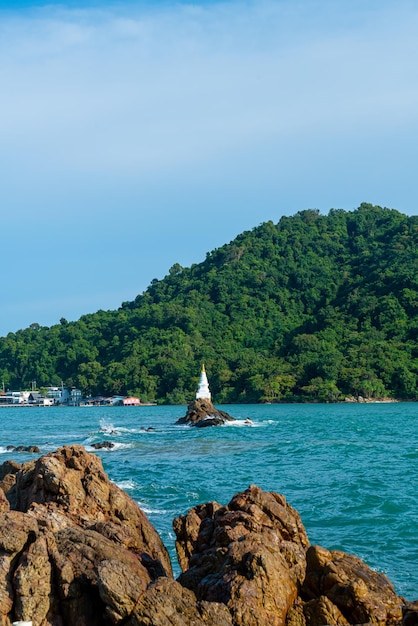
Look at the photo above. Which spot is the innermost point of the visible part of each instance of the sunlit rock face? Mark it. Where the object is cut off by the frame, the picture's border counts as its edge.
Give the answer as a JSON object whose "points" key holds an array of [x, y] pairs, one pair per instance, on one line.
{"points": [[75, 550], [202, 413], [254, 556]]}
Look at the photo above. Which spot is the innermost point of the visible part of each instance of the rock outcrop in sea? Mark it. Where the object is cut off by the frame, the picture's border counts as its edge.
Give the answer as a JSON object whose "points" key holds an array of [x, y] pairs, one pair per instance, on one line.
{"points": [[75, 550], [201, 413]]}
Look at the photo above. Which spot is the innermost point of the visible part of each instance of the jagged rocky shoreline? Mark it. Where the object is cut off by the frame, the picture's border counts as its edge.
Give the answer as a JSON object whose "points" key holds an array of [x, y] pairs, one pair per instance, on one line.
{"points": [[75, 550]]}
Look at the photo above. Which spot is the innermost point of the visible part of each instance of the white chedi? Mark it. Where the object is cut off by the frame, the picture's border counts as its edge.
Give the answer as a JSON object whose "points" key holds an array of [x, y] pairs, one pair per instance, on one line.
{"points": [[203, 391]]}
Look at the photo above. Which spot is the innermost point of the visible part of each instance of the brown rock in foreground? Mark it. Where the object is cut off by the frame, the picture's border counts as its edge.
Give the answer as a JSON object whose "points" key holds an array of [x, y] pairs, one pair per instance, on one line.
{"points": [[77, 551], [250, 555], [358, 592], [202, 413], [70, 537], [254, 556]]}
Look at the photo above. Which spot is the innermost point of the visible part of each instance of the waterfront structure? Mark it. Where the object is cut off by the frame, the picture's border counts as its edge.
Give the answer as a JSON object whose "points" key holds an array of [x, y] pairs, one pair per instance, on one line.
{"points": [[131, 401], [14, 397], [76, 397], [60, 395]]}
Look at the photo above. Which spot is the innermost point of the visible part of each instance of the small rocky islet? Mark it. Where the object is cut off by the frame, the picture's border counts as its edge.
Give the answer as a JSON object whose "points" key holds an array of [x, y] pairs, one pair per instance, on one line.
{"points": [[201, 411], [77, 550]]}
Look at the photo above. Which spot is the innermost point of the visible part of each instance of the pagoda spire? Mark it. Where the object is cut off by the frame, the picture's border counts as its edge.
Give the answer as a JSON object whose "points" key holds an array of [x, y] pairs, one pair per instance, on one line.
{"points": [[203, 391]]}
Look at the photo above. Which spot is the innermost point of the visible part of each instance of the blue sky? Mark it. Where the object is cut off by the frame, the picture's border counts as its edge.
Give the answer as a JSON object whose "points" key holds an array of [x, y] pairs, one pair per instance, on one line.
{"points": [[136, 135]]}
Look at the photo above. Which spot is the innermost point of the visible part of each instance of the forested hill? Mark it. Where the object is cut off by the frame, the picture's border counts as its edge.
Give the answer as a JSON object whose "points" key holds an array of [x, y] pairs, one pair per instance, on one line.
{"points": [[315, 307]]}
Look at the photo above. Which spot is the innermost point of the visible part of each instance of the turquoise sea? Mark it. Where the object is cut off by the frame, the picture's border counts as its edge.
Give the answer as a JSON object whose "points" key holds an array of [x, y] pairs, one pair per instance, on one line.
{"points": [[349, 469]]}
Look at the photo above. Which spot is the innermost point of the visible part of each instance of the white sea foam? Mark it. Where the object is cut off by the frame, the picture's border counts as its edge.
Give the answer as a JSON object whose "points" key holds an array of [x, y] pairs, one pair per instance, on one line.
{"points": [[126, 484], [116, 446], [105, 423], [122, 446], [239, 423], [144, 430], [108, 427], [192, 495], [151, 511], [3, 450]]}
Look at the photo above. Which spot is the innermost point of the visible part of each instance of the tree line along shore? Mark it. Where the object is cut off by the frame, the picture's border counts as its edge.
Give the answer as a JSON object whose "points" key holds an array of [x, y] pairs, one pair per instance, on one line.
{"points": [[315, 308]]}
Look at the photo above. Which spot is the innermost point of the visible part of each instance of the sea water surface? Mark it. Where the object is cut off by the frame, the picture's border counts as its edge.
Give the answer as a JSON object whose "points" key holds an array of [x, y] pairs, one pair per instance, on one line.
{"points": [[350, 470]]}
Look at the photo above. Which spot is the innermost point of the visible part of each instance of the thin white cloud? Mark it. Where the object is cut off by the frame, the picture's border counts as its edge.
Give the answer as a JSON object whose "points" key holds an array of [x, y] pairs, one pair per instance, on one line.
{"points": [[145, 92]]}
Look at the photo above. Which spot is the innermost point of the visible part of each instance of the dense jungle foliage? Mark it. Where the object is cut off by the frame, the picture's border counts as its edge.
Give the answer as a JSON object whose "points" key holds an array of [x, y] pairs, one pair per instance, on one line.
{"points": [[317, 307]]}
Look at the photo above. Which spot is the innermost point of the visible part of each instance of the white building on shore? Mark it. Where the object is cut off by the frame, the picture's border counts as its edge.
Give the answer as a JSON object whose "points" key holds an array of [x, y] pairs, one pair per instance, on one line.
{"points": [[60, 395]]}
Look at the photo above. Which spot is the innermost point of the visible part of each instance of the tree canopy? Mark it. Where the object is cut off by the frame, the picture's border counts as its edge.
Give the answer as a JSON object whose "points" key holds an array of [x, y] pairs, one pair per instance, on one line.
{"points": [[315, 307]]}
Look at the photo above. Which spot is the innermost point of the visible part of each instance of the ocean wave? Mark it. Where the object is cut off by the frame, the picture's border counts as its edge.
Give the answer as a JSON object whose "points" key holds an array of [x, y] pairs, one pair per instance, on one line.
{"points": [[122, 446], [149, 511], [108, 428], [126, 484], [116, 446], [249, 422], [239, 423]]}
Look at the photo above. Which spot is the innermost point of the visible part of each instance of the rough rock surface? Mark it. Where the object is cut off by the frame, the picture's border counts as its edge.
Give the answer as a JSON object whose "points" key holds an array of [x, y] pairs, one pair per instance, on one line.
{"points": [[103, 444], [249, 555], [77, 551], [410, 614], [202, 413], [32, 449], [8, 472], [349, 587], [168, 603], [70, 537], [254, 556]]}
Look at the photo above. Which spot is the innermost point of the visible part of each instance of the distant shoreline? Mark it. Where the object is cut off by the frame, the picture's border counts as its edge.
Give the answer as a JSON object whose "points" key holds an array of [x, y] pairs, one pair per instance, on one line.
{"points": [[347, 400], [66, 406]]}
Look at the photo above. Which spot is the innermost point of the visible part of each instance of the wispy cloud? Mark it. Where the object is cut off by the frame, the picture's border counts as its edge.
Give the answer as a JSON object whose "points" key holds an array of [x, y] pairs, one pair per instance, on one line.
{"points": [[138, 92]]}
